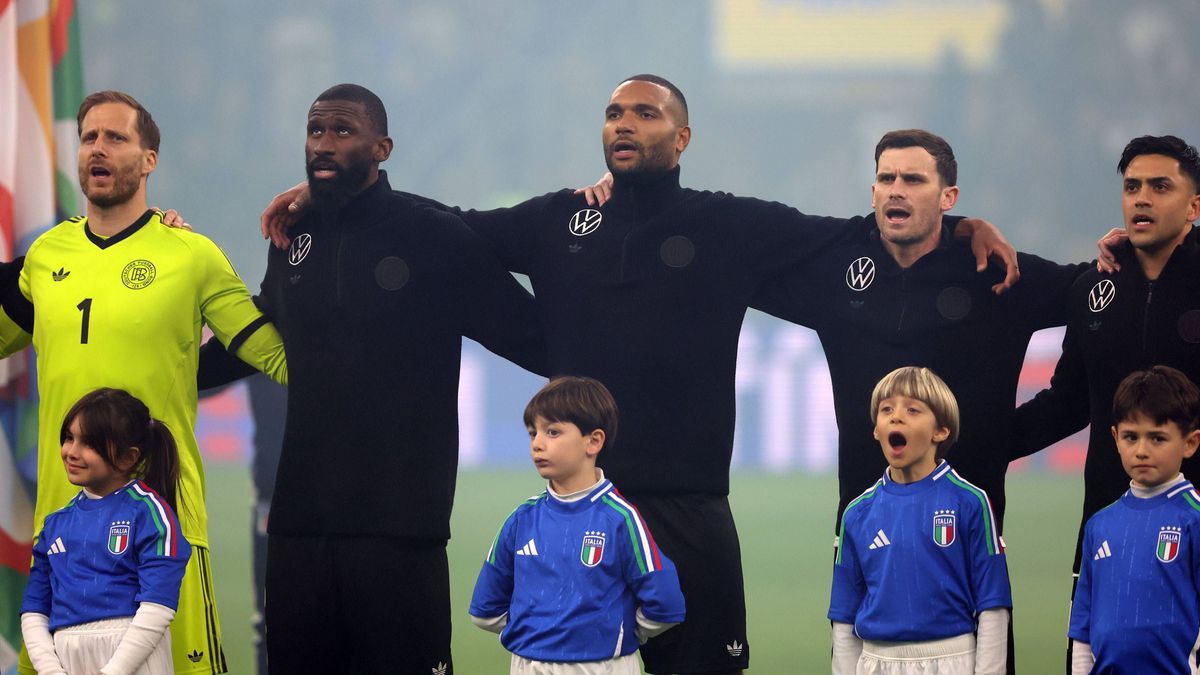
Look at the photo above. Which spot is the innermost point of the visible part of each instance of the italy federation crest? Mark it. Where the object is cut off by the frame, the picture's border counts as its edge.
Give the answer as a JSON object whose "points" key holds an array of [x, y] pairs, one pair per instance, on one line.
{"points": [[1169, 539], [593, 548], [118, 537], [944, 530]]}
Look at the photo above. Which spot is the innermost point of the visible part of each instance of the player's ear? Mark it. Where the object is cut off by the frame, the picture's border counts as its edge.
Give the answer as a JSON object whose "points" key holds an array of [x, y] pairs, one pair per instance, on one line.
{"points": [[149, 162], [1114, 433], [1191, 442], [382, 150], [595, 441], [949, 197], [941, 434], [128, 459]]}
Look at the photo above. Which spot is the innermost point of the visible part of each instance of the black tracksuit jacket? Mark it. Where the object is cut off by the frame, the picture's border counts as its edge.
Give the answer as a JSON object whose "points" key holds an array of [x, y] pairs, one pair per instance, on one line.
{"points": [[872, 316], [1118, 323], [372, 318], [647, 294]]}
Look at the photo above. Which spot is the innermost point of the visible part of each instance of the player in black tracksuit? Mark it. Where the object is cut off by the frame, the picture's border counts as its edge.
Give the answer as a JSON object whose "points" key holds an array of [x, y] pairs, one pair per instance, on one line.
{"points": [[372, 302], [873, 316], [647, 294], [1142, 324]]}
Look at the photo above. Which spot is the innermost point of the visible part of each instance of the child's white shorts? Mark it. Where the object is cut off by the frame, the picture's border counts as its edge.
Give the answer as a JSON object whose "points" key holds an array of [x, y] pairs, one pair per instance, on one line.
{"points": [[950, 656], [622, 665], [85, 648]]}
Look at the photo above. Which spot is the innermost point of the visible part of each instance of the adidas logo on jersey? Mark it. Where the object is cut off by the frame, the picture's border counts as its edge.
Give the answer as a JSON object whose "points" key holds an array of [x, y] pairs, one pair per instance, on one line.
{"points": [[880, 541], [60, 274], [735, 649], [528, 549], [1103, 552], [57, 547], [439, 669], [195, 656]]}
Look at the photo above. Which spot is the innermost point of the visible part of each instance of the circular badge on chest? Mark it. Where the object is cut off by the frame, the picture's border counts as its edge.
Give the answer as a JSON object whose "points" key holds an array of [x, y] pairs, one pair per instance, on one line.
{"points": [[391, 273], [1189, 326], [138, 274], [954, 303], [677, 251]]}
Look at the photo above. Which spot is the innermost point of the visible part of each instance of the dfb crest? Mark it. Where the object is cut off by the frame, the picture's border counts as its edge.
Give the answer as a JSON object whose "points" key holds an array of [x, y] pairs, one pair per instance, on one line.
{"points": [[944, 528], [1169, 539], [118, 537], [593, 548]]}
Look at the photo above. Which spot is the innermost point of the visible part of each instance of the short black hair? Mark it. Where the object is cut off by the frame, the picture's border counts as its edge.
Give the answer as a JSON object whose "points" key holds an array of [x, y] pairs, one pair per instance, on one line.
{"points": [[1162, 394], [943, 154], [663, 82], [1170, 146], [359, 94], [581, 401]]}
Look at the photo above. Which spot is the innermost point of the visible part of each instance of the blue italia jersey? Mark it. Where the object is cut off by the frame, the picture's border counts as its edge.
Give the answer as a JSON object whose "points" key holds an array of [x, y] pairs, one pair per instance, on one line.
{"points": [[99, 558], [1138, 599], [571, 576], [919, 561]]}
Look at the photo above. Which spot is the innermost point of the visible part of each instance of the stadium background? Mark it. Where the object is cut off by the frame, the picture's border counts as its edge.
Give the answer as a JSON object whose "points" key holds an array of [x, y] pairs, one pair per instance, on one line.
{"points": [[493, 102]]}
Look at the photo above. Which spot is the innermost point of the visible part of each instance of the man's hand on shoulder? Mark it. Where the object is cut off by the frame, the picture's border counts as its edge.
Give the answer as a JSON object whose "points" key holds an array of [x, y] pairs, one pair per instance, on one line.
{"points": [[1108, 245], [283, 212], [599, 192], [986, 242], [172, 218]]}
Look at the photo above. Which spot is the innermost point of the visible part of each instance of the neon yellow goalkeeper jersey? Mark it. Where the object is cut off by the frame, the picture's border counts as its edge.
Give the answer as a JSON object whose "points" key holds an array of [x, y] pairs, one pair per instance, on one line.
{"points": [[127, 312]]}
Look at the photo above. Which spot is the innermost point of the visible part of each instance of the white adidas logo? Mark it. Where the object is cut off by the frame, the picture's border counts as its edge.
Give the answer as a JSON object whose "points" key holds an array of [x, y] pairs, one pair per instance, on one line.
{"points": [[880, 541], [528, 549], [57, 547], [735, 649], [1103, 552]]}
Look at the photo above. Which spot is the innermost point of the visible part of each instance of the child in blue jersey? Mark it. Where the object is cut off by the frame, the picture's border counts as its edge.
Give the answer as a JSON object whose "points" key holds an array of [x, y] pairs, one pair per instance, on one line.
{"points": [[574, 582], [920, 582], [107, 566], [1137, 605]]}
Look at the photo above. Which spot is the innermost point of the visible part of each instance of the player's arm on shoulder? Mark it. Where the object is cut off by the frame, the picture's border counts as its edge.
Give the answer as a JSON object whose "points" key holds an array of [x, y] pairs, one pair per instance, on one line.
{"points": [[510, 232], [1061, 409], [234, 318], [494, 587], [987, 243], [770, 238], [1041, 299], [495, 310]]}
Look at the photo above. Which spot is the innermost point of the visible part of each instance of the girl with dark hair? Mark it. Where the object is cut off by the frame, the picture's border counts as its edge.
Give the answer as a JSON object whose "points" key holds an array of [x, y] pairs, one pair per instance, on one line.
{"points": [[104, 585]]}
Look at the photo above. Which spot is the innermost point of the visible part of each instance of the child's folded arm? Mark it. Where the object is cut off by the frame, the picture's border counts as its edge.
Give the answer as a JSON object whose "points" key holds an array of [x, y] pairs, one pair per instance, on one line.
{"points": [[493, 624], [1082, 658], [991, 642], [144, 633], [847, 647], [35, 629]]}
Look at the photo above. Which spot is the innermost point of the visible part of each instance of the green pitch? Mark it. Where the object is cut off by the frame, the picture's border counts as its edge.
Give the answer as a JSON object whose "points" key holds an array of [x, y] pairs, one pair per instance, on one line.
{"points": [[785, 524]]}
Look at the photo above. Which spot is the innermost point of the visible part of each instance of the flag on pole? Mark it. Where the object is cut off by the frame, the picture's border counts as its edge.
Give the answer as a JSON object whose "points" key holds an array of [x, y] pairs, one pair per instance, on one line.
{"points": [[41, 87]]}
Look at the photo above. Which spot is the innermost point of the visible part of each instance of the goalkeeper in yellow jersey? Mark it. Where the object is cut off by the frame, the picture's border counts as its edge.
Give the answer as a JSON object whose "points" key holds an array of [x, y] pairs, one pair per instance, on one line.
{"points": [[118, 299]]}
